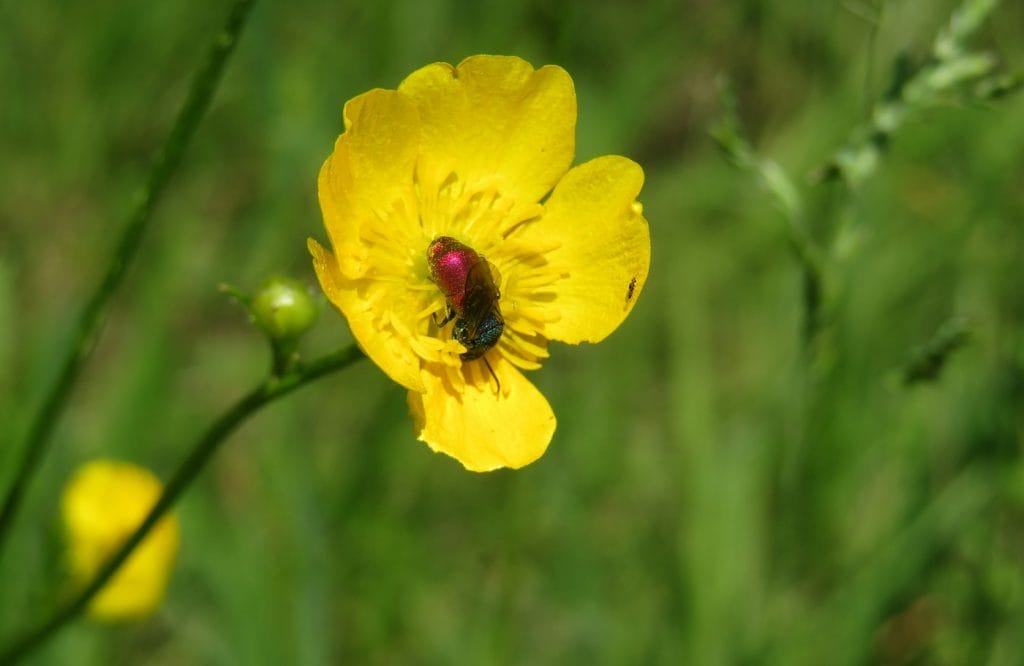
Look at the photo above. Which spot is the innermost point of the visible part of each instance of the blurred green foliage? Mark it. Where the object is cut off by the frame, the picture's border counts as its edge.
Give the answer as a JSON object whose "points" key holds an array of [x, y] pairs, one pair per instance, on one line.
{"points": [[721, 489]]}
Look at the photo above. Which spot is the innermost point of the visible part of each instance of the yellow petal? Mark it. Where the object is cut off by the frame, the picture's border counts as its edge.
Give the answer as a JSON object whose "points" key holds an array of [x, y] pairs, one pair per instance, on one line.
{"points": [[494, 119], [372, 166], [138, 588], [102, 505], [480, 427], [604, 247], [392, 354]]}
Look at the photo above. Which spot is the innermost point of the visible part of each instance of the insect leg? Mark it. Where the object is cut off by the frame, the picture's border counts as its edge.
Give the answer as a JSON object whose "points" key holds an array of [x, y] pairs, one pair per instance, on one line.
{"points": [[449, 314], [491, 370]]}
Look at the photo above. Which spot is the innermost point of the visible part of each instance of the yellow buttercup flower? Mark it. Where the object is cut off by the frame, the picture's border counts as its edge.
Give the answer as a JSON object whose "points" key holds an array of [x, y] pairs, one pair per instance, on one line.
{"points": [[102, 505], [477, 155]]}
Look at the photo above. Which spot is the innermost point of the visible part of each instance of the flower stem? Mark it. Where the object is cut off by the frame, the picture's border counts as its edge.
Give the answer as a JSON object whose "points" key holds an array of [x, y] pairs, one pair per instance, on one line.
{"points": [[271, 389], [89, 321]]}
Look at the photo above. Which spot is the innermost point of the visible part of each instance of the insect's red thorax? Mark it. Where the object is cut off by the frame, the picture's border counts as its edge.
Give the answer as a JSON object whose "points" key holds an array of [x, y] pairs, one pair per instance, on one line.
{"points": [[450, 262]]}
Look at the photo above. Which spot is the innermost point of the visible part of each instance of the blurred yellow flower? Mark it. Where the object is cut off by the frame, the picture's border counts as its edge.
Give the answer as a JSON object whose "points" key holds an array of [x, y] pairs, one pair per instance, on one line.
{"points": [[477, 155], [103, 503]]}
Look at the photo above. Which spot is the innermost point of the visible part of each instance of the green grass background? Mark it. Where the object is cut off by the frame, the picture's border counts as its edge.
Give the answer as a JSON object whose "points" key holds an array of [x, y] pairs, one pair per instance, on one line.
{"points": [[714, 494]]}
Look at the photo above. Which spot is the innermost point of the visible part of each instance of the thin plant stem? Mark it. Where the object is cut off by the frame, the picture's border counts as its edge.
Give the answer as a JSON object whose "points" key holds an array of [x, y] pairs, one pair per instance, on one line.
{"points": [[90, 320], [273, 388]]}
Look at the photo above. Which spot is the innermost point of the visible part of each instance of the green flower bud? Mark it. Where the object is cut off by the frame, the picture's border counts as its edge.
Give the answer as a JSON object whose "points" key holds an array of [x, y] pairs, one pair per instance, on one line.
{"points": [[283, 308]]}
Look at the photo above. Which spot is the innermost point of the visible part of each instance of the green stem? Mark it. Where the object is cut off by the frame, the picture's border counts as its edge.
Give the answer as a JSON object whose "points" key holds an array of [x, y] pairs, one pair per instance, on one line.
{"points": [[87, 329], [273, 388]]}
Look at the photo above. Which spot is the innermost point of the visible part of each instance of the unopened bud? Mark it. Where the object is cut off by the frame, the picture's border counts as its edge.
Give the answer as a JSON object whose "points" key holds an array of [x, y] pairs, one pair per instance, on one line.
{"points": [[283, 308]]}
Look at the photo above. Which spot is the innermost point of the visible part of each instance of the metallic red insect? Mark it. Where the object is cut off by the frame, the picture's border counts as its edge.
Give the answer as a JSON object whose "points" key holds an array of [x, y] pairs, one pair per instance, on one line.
{"points": [[467, 281]]}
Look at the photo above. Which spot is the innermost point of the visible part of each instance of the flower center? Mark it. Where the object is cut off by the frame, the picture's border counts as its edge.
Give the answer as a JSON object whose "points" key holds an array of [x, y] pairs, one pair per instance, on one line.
{"points": [[446, 273]]}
